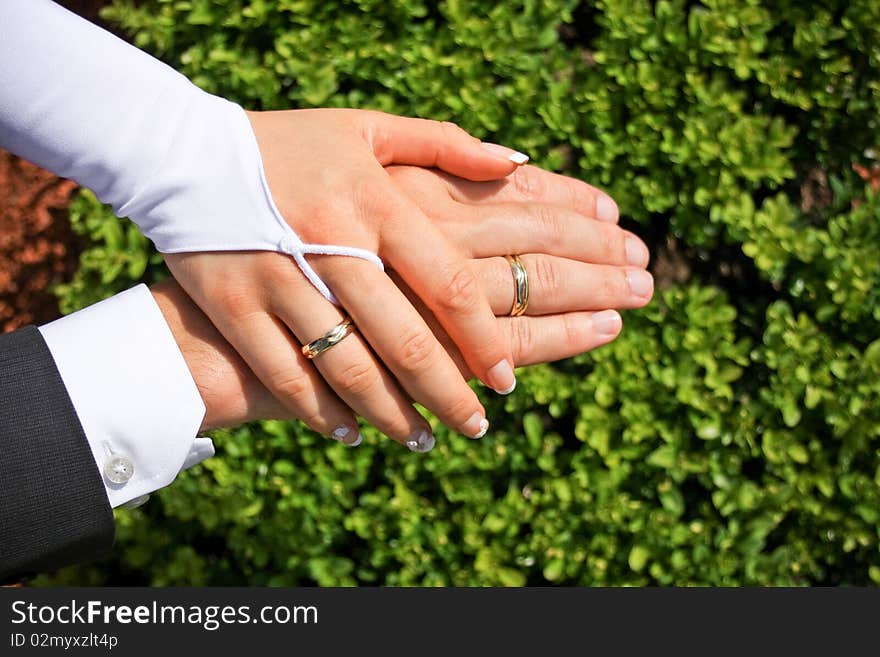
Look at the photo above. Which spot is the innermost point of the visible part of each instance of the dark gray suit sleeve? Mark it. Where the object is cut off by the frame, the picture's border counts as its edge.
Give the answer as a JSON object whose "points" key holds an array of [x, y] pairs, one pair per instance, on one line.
{"points": [[53, 506]]}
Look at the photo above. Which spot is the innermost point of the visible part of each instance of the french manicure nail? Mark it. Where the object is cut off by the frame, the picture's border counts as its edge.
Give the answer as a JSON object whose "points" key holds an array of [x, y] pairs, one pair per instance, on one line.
{"points": [[501, 377], [341, 433], [503, 151], [606, 209], [607, 322], [640, 282], [421, 441], [476, 426], [636, 252]]}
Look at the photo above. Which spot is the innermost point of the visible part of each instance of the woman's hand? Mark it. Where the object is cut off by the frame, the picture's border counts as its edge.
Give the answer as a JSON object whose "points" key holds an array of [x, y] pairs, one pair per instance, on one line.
{"points": [[325, 170], [575, 264]]}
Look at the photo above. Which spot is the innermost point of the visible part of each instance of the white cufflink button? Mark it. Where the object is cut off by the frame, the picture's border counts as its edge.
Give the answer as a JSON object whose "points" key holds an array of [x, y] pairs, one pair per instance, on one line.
{"points": [[118, 469]]}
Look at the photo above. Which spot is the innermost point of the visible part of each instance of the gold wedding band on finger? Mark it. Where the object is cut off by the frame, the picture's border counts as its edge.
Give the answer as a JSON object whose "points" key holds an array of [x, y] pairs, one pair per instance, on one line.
{"points": [[330, 339], [520, 286]]}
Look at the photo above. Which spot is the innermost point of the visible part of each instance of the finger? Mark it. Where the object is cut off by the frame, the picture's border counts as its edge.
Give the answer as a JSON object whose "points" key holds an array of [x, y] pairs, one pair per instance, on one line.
{"points": [[402, 340], [440, 276], [536, 340], [560, 285], [534, 185], [349, 367], [272, 354], [439, 144], [540, 228], [554, 337]]}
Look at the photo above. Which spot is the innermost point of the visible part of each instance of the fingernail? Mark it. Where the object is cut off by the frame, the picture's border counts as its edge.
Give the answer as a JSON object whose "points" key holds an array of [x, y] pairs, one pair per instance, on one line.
{"points": [[606, 209], [636, 252], [476, 426], [340, 434], [501, 378], [503, 151], [608, 322], [421, 441], [640, 282]]}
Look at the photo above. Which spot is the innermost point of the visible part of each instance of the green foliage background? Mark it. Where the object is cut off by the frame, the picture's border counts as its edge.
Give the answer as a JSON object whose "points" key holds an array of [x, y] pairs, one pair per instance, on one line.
{"points": [[730, 436]]}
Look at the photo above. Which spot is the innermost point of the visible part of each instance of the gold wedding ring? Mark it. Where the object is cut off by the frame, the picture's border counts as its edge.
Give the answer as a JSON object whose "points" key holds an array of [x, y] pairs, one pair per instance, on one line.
{"points": [[520, 286], [330, 339]]}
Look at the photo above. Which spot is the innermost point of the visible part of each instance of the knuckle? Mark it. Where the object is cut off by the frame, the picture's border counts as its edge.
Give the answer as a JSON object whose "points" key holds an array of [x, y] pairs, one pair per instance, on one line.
{"points": [[620, 285], [291, 386], [278, 271], [357, 378], [614, 287], [370, 206], [237, 302], [576, 191], [549, 226], [314, 222], [611, 244], [522, 337], [526, 183], [572, 330], [547, 277], [459, 292], [417, 351]]}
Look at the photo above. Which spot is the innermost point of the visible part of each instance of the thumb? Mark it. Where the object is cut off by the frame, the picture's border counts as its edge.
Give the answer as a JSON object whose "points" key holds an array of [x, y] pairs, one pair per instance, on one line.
{"points": [[443, 145]]}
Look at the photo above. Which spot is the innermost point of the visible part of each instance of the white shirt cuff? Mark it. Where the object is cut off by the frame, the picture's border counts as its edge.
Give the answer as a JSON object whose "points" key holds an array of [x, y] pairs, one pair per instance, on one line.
{"points": [[134, 395]]}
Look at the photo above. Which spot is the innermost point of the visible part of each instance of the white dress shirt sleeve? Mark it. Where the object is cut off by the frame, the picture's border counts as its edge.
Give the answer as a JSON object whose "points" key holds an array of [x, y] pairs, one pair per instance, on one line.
{"points": [[183, 164], [132, 391]]}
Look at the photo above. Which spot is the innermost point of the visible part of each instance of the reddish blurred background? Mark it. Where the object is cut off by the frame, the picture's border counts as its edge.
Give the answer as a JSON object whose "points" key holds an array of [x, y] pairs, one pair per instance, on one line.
{"points": [[37, 246]]}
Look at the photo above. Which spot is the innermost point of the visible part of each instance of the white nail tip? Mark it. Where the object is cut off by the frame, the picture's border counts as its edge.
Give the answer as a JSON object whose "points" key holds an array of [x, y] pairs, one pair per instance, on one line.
{"points": [[424, 443], [484, 427], [341, 433], [518, 158], [508, 390]]}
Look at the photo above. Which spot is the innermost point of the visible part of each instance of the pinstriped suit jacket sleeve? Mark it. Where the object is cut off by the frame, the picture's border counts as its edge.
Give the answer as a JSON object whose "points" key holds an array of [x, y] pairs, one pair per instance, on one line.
{"points": [[54, 509]]}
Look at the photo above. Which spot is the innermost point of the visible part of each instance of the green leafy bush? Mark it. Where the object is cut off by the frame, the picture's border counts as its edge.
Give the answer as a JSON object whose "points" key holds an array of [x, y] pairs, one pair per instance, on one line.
{"points": [[731, 435]]}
